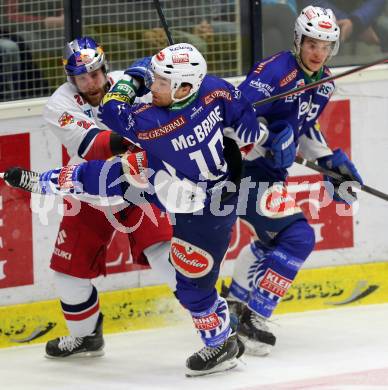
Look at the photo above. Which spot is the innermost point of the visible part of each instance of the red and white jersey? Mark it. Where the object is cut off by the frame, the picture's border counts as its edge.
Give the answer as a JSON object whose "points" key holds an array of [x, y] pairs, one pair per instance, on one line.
{"points": [[73, 120]]}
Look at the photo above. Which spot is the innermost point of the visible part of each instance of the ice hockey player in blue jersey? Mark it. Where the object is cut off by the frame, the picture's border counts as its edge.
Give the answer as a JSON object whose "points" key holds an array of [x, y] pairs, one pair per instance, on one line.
{"points": [[186, 136], [266, 268]]}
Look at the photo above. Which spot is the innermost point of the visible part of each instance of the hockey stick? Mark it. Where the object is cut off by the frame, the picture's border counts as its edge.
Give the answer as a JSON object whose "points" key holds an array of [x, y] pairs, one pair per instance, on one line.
{"points": [[339, 177], [318, 82], [163, 21]]}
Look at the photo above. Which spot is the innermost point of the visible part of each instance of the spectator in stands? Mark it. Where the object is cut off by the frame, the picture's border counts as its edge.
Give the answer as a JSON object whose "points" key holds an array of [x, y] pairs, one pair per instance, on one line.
{"points": [[278, 20], [19, 77], [199, 23], [382, 28], [9, 67], [357, 18]]}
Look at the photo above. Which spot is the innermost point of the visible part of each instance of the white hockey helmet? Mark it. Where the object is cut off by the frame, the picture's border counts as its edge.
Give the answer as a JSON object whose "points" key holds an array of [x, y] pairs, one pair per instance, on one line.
{"points": [[319, 23], [180, 63]]}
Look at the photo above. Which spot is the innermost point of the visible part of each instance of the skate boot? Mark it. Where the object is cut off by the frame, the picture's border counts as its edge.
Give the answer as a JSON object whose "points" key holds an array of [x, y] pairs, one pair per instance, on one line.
{"points": [[24, 179], [69, 346], [255, 334], [211, 360]]}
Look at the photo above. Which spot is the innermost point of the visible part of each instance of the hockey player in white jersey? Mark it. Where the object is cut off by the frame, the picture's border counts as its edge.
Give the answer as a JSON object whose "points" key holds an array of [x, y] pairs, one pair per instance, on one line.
{"points": [[81, 247]]}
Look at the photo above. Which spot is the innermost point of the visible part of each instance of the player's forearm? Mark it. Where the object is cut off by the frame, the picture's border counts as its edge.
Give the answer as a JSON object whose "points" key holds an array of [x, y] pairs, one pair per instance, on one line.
{"points": [[95, 177], [116, 115]]}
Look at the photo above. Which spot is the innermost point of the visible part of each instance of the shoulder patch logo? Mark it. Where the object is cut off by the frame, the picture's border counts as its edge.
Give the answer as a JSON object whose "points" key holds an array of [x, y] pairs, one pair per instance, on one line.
{"points": [[217, 94], [291, 76], [65, 119]]}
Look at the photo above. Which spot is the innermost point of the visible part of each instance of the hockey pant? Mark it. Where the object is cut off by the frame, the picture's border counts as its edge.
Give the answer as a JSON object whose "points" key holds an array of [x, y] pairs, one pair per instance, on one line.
{"points": [[198, 247], [266, 268], [80, 255]]}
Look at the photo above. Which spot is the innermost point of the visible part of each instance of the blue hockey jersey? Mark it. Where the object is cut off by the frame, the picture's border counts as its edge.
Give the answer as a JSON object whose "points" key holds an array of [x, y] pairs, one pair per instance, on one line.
{"points": [[281, 73], [184, 144]]}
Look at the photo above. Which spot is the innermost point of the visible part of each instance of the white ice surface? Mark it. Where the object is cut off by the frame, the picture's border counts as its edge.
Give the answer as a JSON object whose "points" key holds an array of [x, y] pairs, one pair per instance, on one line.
{"points": [[333, 349]]}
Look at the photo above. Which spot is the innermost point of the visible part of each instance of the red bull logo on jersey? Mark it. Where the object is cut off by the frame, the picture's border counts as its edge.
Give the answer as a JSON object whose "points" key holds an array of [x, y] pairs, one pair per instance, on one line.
{"points": [[189, 259], [275, 283], [65, 119]]}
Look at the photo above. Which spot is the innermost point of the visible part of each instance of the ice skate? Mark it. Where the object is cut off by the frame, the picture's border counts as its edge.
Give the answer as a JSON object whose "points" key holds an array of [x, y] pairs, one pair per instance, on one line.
{"points": [[69, 346], [211, 360], [255, 334]]}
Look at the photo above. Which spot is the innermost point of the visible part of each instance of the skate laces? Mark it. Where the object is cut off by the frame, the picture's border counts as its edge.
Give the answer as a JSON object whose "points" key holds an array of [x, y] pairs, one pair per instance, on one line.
{"points": [[259, 322], [206, 353], [68, 343], [30, 181]]}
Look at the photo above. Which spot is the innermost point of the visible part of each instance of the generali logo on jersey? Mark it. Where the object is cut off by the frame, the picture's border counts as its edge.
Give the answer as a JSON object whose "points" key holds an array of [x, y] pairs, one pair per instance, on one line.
{"points": [[190, 260], [163, 130]]}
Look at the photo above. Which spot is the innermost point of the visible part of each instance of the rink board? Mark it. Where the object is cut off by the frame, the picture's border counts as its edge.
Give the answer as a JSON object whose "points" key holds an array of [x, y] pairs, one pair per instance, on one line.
{"points": [[155, 306]]}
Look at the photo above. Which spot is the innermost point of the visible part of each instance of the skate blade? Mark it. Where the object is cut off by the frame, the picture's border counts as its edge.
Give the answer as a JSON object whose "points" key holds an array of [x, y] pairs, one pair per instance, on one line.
{"points": [[255, 348], [80, 355], [225, 366]]}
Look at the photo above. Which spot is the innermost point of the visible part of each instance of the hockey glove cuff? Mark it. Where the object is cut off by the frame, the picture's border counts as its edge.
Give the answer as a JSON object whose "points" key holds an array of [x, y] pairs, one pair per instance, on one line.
{"points": [[141, 72], [339, 162], [124, 91]]}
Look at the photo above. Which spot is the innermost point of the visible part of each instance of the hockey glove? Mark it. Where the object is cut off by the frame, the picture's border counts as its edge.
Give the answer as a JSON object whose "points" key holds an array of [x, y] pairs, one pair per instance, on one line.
{"points": [[281, 144], [124, 91], [141, 72], [339, 162]]}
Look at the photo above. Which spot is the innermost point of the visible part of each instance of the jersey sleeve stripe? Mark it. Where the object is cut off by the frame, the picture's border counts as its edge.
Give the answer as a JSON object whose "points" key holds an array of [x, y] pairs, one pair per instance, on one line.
{"points": [[87, 141]]}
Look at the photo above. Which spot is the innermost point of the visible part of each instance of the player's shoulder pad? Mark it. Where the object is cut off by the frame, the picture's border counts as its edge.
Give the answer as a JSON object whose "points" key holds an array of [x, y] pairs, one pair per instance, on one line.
{"points": [[65, 96], [272, 64], [327, 73], [115, 76], [215, 88]]}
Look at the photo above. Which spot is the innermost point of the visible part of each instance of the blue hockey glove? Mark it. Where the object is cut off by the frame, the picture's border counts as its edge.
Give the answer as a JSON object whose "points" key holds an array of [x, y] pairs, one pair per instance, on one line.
{"points": [[282, 146], [339, 162], [140, 71]]}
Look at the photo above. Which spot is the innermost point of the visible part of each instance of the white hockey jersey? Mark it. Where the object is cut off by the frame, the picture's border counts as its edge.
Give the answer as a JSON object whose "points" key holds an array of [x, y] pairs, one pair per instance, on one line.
{"points": [[75, 122]]}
